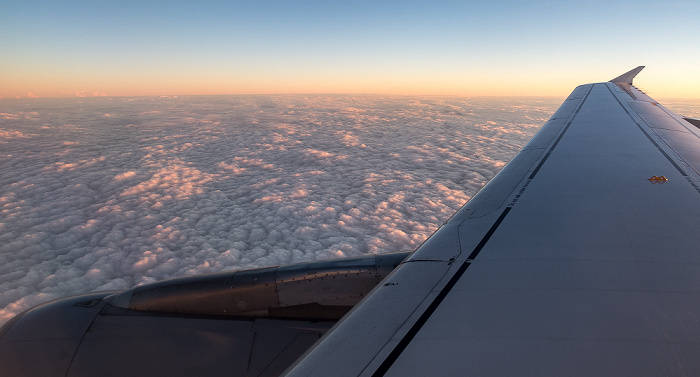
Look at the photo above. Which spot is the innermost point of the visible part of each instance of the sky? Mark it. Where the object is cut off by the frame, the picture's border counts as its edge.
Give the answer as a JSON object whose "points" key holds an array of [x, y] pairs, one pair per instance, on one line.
{"points": [[466, 48]]}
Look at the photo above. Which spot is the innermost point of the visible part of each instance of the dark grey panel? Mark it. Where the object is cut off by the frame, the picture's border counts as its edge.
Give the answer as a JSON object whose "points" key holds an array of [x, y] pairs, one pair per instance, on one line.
{"points": [[277, 345], [138, 345], [128, 346], [693, 121], [43, 340], [37, 358]]}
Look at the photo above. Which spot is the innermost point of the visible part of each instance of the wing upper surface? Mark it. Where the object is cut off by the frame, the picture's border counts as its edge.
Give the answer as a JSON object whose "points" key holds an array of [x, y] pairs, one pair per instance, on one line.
{"points": [[573, 260]]}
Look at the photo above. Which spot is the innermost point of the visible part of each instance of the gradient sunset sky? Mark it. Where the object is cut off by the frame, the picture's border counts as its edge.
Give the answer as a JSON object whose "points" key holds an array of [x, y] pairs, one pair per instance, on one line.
{"points": [[470, 48]]}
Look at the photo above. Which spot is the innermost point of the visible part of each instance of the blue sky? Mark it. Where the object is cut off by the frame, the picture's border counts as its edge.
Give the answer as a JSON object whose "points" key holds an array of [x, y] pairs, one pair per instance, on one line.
{"points": [[409, 47]]}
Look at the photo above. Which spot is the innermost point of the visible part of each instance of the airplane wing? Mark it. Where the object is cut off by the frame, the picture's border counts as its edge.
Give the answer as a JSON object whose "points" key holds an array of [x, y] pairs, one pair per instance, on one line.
{"points": [[581, 257]]}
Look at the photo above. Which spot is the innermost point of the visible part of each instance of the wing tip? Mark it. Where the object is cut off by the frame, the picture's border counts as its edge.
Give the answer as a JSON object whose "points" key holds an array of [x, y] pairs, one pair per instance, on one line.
{"points": [[627, 77]]}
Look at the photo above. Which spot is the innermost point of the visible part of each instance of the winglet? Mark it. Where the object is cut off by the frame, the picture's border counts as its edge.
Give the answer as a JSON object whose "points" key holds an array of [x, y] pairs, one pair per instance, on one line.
{"points": [[626, 78]]}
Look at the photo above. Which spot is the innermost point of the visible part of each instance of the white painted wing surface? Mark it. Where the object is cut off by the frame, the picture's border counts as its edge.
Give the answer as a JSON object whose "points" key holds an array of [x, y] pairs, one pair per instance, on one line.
{"points": [[579, 258]]}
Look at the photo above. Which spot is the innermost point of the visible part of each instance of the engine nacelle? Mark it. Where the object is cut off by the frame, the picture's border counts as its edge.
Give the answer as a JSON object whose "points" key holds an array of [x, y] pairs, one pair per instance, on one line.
{"points": [[241, 323]]}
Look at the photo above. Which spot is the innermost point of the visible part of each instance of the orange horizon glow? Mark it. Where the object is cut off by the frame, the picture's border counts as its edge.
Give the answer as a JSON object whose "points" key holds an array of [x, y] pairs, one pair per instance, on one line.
{"points": [[461, 87]]}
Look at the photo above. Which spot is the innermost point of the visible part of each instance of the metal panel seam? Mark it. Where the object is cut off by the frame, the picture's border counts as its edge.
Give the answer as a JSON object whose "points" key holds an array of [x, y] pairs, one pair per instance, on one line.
{"points": [[658, 147], [82, 338], [413, 331], [566, 127], [406, 340]]}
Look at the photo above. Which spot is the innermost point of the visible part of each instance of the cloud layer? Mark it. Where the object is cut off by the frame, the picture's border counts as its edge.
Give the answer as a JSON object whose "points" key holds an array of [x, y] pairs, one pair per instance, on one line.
{"points": [[107, 193]]}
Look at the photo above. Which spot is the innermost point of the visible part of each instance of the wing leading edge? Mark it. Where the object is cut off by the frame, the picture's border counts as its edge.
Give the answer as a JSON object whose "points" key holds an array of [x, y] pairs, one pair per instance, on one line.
{"points": [[576, 259]]}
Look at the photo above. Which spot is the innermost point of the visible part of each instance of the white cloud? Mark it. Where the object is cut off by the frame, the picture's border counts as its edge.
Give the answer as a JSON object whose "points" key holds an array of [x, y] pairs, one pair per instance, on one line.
{"points": [[166, 187]]}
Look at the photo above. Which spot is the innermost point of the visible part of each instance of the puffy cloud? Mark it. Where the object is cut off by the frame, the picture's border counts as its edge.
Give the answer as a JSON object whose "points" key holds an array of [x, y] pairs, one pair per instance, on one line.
{"points": [[84, 93], [166, 187], [125, 175]]}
